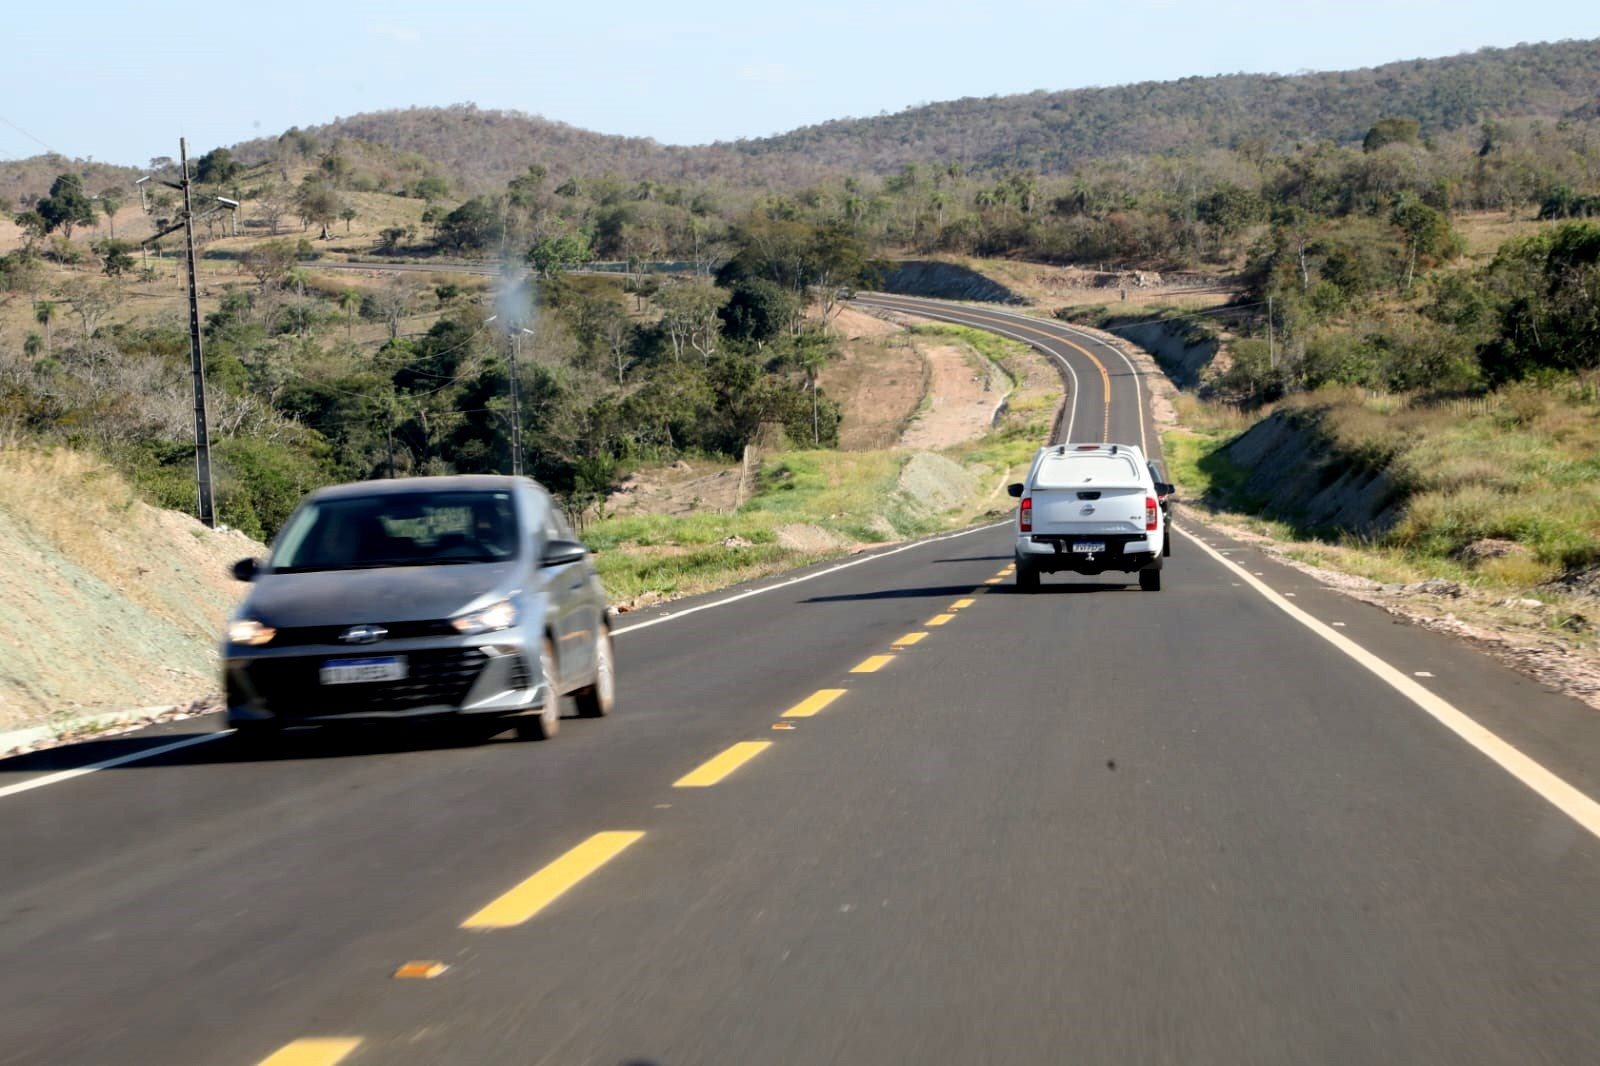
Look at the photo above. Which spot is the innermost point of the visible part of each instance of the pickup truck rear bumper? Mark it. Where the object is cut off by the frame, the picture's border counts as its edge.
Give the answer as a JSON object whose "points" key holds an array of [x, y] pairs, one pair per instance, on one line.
{"points": [[1050, 553]]}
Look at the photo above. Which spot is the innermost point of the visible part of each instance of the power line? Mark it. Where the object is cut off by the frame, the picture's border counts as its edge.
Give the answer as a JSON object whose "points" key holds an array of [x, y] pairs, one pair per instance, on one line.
{"points": [[30, 136]]}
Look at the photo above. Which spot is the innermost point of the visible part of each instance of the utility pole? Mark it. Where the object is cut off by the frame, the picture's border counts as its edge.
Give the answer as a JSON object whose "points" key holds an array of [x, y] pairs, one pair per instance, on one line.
{"points": [[197, 366], [516, 404], [1272, 352]]}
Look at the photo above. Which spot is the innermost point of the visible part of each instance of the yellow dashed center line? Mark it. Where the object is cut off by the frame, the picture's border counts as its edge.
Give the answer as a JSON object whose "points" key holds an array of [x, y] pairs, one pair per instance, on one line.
{"points": [[814, 703], [546, 886], [939, 619], [995, 581], [961, 605], [872, 664], [321, 1051], [717, 767], [909, 639]]}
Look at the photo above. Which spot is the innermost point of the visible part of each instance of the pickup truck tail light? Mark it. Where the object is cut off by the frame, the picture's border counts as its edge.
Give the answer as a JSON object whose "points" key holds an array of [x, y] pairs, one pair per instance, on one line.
{"points": [[1151, 513], [1025, 516]]}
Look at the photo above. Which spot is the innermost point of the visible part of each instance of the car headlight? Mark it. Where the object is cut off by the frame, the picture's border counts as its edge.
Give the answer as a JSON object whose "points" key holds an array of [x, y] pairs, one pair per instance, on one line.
{"points": [[501, 615], [249, 631]]}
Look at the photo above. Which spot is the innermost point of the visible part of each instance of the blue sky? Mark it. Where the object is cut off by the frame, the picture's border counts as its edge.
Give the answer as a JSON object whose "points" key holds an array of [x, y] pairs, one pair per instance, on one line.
{"points": [[119, 81]]}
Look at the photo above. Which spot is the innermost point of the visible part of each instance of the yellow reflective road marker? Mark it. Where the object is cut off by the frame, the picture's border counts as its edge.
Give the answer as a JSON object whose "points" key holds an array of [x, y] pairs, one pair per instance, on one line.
{"points": [[961, 605], [421, 970], [939, 619], [909, 639], [548, 885], [814, 703], [717, 767], [872, 664], [321, 1051]]}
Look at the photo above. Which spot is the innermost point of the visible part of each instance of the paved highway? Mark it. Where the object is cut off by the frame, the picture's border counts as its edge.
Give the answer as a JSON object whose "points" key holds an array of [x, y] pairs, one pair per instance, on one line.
{"points": [[878, 812]]}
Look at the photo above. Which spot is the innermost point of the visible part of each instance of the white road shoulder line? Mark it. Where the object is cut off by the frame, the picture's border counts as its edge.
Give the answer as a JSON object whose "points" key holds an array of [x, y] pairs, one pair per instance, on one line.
{"points": [[132, 756], [1552, 789]]}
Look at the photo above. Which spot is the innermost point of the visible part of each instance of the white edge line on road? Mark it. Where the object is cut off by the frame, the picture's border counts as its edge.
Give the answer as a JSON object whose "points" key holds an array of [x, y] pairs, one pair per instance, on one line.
{"points": [[1072, 400], [1552, 789], [132, 756], [745, 595]]}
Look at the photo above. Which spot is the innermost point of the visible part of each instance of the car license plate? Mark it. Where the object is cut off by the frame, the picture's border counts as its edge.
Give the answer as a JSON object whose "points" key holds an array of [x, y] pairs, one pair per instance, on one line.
{"points": [[1089, 547], [360, 671]]}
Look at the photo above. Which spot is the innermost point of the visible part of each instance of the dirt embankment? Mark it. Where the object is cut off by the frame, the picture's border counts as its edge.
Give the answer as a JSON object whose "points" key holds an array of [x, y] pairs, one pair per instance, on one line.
{"points": [[879, 381], [1298, 473], [947, 281], [108, 603], [1182, 353]]}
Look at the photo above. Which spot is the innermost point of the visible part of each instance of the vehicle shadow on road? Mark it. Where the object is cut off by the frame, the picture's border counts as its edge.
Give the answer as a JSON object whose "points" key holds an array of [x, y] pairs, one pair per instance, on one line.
{"points": [[1063, 588], [293, 745], [925, 592]]}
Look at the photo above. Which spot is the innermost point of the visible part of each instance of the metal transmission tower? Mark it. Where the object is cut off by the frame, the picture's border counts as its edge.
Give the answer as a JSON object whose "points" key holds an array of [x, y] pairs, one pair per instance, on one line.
{"points": [[202, 431]]}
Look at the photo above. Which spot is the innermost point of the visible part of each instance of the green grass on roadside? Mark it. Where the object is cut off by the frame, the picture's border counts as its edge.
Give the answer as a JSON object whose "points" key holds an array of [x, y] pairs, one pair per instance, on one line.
{"points": [[1523, 467]]}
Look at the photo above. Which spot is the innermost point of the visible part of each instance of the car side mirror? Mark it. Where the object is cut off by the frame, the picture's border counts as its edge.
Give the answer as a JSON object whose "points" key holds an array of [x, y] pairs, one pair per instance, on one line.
{"points": [[245, 569], [563, 552], [1015, 489], [1164, 488]]}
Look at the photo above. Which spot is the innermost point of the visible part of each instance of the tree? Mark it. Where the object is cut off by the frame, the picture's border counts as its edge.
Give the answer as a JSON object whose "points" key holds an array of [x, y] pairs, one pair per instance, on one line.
{"points": [[430, 188], [553, 255], [1391, 131], [472, 227], [758, 311], [44, 312], [216, 167], [318, 204], [349, 215], [66, 206], [116, 257], [270, 261], [349, 303], [1426, 230], [689, 317], [272, 205], [90, 301], [110, 204], [33, 227]]}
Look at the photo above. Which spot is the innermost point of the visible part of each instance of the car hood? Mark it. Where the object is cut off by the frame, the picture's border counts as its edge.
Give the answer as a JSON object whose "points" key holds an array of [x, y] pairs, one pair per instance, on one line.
{"points": [[392, 594]]}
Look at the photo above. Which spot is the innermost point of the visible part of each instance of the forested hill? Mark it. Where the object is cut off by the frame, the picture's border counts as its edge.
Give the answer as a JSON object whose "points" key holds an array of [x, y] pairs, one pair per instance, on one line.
{"points": [[1048, 131], [483, 148], [1043, 131]]}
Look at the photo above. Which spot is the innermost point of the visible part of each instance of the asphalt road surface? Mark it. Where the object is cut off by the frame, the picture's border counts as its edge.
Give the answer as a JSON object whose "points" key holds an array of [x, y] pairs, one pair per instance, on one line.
{"points": [[875, 813]]}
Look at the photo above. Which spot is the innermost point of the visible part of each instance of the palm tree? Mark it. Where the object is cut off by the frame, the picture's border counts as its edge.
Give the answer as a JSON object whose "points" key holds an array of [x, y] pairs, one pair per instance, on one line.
{"points": [[349, 300], [44, 312]]}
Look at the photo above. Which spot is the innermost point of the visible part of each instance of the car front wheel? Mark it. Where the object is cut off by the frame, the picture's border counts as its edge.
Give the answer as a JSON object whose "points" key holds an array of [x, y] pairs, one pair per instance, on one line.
{"points": [[546, 723], [597, 700]]}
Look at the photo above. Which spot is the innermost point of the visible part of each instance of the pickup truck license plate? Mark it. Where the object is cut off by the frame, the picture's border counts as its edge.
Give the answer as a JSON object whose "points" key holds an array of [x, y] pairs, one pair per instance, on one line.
{"points": [[359, 671], [1089, 547]]}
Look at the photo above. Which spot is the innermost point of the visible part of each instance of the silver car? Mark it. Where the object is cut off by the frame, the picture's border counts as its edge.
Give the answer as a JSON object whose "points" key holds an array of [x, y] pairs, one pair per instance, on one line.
{"points": [[449, 597]]}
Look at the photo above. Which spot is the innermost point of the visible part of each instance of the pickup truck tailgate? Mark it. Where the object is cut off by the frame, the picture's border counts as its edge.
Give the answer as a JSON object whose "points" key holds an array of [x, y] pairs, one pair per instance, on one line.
{"points": [[1101, 509]]}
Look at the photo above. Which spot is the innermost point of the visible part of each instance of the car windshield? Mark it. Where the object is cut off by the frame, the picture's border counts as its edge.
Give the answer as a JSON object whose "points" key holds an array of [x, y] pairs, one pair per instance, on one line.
{"points": [[389, 529]]}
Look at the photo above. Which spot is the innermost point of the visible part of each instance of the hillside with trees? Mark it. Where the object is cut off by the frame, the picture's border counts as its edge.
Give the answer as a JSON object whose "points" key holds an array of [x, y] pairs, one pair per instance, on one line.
{"points": [[1047, 132]]}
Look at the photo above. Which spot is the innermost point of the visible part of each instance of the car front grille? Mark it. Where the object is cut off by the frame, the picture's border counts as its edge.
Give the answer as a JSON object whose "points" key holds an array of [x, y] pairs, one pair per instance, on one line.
{"points": [[293, 688], [301, 636]]}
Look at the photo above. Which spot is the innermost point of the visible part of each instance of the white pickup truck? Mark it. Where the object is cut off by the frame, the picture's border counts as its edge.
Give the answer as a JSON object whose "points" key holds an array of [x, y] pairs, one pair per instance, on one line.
{"points": [[1089, 508]]}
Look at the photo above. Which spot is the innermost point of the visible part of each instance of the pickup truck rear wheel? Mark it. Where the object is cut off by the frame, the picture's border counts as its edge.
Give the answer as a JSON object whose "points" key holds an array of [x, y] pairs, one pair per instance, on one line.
{"points": [[1027, 577], [1150, 580]]}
